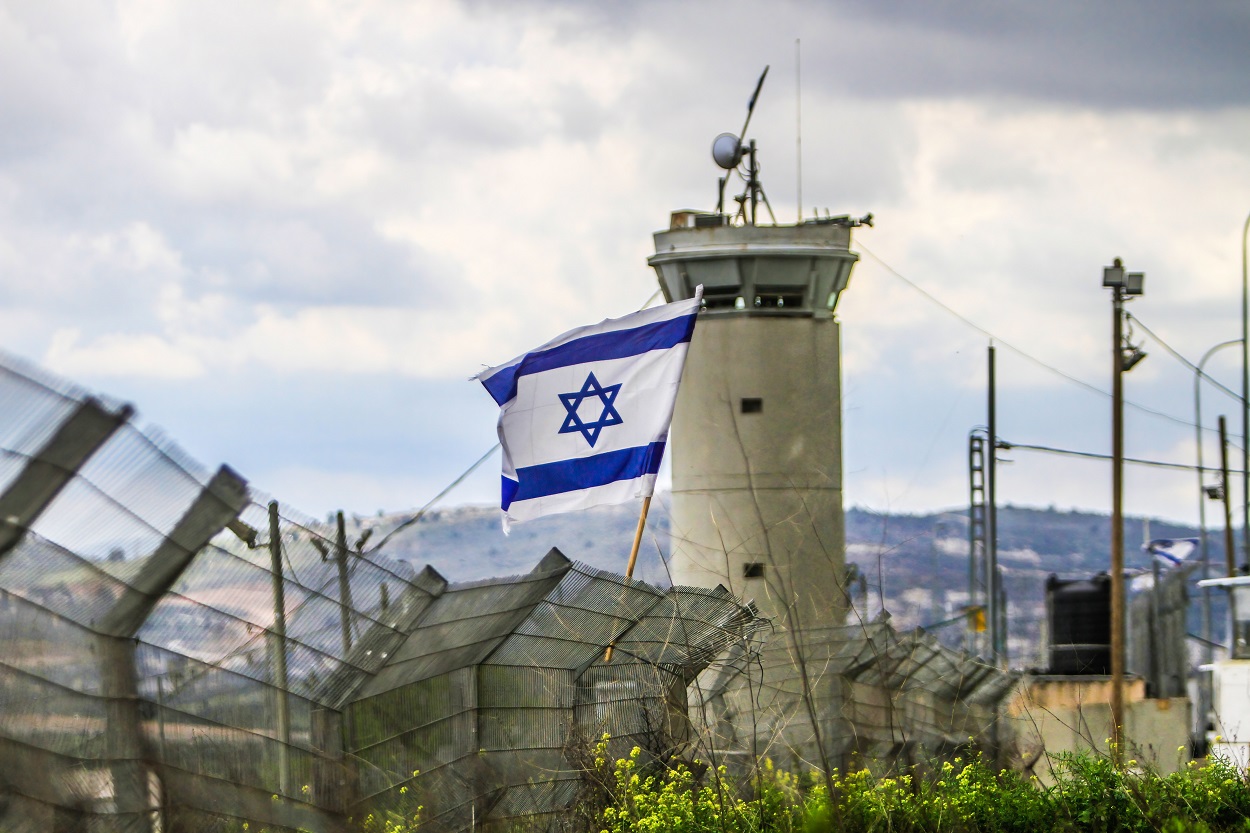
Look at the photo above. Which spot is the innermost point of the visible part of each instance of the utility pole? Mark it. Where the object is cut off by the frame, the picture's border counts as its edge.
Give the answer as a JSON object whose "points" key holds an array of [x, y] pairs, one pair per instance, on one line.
{"points": [[1230, 556], [976, 540], [1117, 523], [1122, 285], [345, 587], [993, 598], [1245, 397], [278, 652]]}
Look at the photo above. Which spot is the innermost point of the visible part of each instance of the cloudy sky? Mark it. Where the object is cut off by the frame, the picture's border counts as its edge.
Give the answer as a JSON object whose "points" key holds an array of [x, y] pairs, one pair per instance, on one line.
{"points": [[290, 231]]}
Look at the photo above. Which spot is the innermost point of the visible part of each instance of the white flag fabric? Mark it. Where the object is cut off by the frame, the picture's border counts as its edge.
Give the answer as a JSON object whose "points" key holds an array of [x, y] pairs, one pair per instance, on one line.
{"points": [[1171, 551], [583, 419]]}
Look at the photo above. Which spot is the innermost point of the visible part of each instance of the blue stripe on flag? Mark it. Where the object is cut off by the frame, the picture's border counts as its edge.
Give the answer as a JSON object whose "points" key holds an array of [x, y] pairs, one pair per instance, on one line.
{"points": [[615, 344], [582, 473], [509, 491]]}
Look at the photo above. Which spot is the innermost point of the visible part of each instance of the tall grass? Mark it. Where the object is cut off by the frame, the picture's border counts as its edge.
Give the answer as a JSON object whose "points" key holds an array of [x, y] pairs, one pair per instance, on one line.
{"points": [[963, 796]]}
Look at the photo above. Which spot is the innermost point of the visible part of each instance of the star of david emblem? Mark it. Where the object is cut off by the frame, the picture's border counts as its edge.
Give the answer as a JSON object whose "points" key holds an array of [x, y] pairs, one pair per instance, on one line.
{"points": [[591, 389]]}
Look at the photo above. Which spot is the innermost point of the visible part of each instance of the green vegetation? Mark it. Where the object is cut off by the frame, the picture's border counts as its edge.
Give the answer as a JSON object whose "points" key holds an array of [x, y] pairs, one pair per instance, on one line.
{"points": [[963, 796], [640, 795]]}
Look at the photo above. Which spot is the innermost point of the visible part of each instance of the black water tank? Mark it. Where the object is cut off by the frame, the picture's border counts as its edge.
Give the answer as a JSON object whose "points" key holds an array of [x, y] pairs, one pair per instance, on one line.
{"points": [[1079, 615]]}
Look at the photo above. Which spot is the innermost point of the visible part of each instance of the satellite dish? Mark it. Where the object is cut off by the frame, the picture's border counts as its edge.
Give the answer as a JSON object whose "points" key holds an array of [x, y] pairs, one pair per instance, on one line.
{"points": [[727, 151]]}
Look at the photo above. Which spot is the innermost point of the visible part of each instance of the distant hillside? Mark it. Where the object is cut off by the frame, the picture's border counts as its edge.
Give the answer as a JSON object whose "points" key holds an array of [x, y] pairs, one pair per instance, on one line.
{"points": [[468, 543], [920, 562], [916, 564]]}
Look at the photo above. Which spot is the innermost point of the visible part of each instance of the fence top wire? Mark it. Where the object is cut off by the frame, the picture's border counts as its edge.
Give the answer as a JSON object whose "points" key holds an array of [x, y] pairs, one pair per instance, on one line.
{"points": [[561, 616], [872, 653], [464, 624]]}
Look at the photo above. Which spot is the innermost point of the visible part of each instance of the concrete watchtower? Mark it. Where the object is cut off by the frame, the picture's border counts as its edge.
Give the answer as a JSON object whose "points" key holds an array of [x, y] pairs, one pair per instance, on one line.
{"points": [[756, 442], [757, 434]]}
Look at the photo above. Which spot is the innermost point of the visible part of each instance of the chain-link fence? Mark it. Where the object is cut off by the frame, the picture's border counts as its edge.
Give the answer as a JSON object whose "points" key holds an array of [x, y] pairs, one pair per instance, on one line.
{"points": [[179, 653]]}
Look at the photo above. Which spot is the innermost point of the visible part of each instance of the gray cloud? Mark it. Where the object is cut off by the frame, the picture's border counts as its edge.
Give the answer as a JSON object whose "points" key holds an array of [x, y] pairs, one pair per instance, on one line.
{"points": [[1157, 54], [1151, 55]]}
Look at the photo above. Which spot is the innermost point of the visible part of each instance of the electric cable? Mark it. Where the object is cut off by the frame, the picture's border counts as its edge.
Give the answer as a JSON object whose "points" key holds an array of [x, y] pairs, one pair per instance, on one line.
{"points": [[420, 513], [1176, 355], [1010, 446], [1019, 352]]}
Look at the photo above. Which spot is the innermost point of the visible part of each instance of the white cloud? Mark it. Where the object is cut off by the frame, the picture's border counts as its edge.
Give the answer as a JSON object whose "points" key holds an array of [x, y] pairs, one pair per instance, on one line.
{"points": [[147, 356], [196, 190], [306, 486]]}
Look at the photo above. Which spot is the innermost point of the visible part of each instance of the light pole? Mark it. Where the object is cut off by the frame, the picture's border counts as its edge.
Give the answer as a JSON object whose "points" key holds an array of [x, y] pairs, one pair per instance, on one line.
{"points": [[998, 639], [1202, 495], [1245, 401], [1123, 286]]}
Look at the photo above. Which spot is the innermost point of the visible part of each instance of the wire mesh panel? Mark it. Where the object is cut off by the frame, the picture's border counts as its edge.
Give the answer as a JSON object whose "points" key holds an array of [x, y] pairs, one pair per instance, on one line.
{"points": [[857, 690], [137, 663], [476, 710], [179, 655]]}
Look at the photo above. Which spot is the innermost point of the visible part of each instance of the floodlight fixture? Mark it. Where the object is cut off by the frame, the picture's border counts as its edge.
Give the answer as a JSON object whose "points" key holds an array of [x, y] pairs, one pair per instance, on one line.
{"points": [[1131, 356], [1113, 275]]}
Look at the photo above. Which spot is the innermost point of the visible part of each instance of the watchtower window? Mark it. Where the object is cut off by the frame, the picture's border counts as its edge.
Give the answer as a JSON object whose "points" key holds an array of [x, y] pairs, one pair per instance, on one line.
{"points": [[793, 300], [728, 299], [753, 569], [752, 405]]}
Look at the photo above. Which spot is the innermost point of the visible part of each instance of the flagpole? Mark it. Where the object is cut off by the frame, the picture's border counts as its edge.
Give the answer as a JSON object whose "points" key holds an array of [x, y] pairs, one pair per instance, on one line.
{"points": [[633, 557], [642, 522]]}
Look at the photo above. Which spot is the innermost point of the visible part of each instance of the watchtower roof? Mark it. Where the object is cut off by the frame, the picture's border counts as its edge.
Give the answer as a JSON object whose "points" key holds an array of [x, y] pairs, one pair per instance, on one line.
{"points": [[791, 270]]}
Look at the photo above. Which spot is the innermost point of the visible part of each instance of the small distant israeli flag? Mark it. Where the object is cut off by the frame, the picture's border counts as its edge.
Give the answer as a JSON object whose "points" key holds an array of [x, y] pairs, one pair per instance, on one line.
{"points": [[583, 419], [1171, 551]]}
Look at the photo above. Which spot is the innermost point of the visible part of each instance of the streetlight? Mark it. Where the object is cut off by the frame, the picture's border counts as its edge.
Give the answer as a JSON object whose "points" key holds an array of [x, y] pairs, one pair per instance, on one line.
{"points": [[1245, 396], [1123, 285], [1205, 493], [1203, 496]]}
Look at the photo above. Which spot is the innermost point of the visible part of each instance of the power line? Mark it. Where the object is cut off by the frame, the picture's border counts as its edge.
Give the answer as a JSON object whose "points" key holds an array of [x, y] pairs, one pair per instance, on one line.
{"points": [[1019, 352], [420, 513], [1096, 456]]}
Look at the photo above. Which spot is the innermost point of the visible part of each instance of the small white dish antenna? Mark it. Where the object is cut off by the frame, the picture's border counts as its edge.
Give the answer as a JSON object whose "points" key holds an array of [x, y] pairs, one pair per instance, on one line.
{"points": [[727, 151]]}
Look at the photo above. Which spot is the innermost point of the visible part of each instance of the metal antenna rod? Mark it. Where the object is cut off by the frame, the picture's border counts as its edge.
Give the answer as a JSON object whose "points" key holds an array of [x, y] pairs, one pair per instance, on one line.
{"points": [[751, 105], [798, 128]]}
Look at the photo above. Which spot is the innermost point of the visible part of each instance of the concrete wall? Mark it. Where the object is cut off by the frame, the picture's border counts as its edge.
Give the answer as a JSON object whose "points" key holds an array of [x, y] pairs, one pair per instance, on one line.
{"points": [[1053, 715], [1231, 736], [762, 487]]}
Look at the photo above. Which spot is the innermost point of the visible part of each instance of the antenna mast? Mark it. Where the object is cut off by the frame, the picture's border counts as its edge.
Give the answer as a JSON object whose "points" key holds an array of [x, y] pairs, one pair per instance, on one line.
{"points": [[727, 150], [798, 127]]}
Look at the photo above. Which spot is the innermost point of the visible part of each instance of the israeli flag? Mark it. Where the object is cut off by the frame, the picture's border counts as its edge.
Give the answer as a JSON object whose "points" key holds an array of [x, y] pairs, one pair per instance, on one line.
{"points": [[583, 419], [1171, 551]]}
